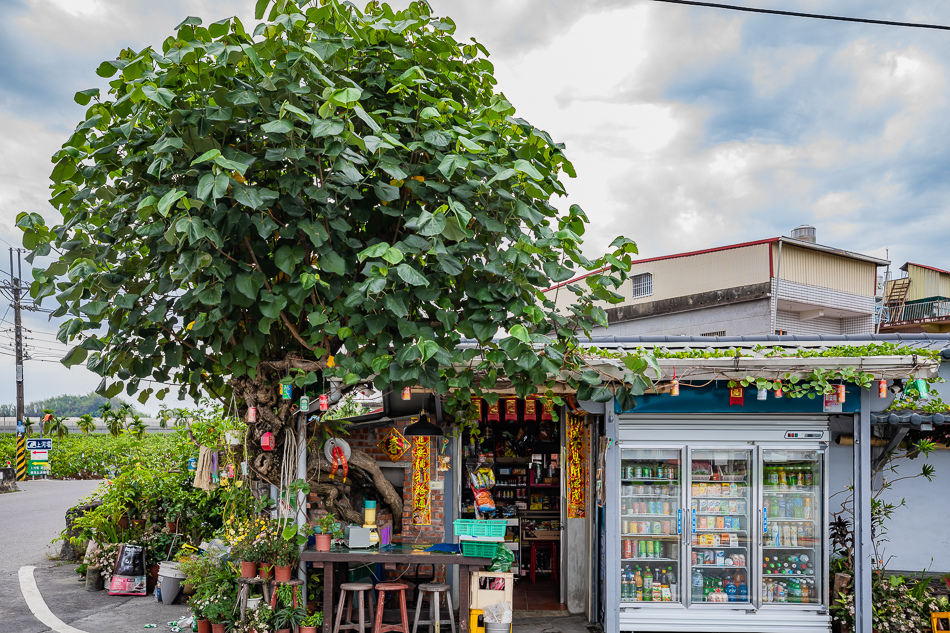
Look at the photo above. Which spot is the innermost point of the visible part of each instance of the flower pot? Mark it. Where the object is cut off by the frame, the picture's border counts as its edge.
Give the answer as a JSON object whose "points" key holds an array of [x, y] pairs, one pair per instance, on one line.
{"points": [[248, 569], [233, 438], [172, 526], [308, 629], [124, 522], [138, 523], [321, 542], [265, 571], [204, 626], [282, 572], [282, 631], [219, 628], [151, 578], [254, 603]]}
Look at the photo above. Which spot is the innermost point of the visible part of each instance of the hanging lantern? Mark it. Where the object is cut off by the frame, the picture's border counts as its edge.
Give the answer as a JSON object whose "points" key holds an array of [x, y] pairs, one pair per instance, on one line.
{"points": [[778, 389], [674, 385], [267, 441], [324, 402], [407, 393], [881, 388], [252, 414], [841, 393], [762, 394]]}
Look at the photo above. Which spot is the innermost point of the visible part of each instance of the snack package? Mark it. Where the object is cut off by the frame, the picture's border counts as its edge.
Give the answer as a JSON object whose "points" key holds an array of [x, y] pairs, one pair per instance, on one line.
{"points": [[128, 575]]}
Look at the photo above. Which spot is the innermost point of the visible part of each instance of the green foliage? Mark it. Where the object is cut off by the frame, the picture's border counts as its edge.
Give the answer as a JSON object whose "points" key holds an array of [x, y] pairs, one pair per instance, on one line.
{"points": [[90, 456], [67, 405], [339, 183]]}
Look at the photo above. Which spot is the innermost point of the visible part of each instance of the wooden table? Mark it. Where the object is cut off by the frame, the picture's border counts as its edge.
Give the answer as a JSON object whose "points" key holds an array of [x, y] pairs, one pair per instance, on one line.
{"points": [[399, 554]]}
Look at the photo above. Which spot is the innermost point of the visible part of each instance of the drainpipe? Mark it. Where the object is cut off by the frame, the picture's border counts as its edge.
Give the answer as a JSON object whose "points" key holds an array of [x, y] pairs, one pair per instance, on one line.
{"points": [[301, 515], [778, 280]]}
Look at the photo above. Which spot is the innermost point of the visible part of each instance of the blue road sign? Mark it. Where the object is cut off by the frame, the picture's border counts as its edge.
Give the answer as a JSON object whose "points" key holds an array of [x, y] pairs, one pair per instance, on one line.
{"points": [[43, 444]]}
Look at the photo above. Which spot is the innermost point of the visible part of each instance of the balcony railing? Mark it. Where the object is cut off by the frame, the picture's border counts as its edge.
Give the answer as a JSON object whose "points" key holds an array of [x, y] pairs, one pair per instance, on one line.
{"points": [[924, 312]]}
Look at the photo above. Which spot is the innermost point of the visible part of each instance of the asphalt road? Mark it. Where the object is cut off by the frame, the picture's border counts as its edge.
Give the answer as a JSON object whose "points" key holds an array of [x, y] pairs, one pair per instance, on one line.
{"points": [[29, 521]]}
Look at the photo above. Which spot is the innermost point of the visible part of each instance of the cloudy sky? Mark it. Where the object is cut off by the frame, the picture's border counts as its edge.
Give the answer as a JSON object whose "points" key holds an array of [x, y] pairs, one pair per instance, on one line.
{"points": [[689, 127]]}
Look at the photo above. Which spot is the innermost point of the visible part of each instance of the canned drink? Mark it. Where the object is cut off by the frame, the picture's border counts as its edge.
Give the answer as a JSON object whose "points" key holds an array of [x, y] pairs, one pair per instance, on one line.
{"points": [[252, 414], [640, 489], [695, 558], [641, 549], [637, 471], [666, 507], [710, 557], [656, 528]]}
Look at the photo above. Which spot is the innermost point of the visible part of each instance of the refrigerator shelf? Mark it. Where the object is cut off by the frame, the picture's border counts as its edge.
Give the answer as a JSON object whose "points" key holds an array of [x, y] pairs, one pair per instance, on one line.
{"points": [[661, 560], [652, 537], [793, 576], [646, 496], [648, 516], [724, 514], [788, 546], [669, 481], [717, 531], [788, 520], [739, 567], [720, 547], [793, 491], [719, 496]]}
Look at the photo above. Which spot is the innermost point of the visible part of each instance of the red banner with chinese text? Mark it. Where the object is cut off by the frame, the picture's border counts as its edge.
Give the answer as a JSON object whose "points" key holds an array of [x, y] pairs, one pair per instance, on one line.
{"points": [[576, 467], [421, 500]]}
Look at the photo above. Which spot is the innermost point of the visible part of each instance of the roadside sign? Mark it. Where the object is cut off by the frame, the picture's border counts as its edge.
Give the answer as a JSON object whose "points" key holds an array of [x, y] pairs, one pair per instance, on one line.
{"points": [[35, 469], [39, 456], [40, 444]]}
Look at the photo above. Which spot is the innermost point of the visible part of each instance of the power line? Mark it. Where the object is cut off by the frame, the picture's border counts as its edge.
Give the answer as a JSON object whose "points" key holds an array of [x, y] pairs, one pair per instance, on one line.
{"points": [[816, 16]]}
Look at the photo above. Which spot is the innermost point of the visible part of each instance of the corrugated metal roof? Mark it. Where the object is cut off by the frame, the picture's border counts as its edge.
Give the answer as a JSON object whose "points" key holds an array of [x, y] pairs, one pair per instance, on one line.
{"points": [[930, 341]]}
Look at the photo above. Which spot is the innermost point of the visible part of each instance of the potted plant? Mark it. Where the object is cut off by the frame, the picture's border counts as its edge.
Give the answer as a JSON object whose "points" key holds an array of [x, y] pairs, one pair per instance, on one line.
{"points": [[327, 525], [219, 614], [250, 546], [310, 623], [261, 619], [285, 556], [287, 616]]}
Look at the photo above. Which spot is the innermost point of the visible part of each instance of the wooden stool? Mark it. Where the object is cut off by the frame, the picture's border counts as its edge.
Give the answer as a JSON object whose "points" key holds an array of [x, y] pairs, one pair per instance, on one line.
{"points": [[349, 588], [436, 591], [554, 561], [381, 589], [935, 623]]}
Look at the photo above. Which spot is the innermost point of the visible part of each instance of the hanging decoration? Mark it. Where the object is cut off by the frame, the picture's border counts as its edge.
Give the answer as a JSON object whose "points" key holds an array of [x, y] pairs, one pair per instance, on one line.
{"points": [[841, 392], [324, 402], [736, 396], [763, 394], [511, 410], [576, 467], [421, 501], [394, 445], [444, 463], [923, 389], [674, 384], [493, 413], [778, 389], [252, 414], [546, 410], [530, 409], [286, 391], [407, 393], [882, 388], [305, 404], [267, 441]]}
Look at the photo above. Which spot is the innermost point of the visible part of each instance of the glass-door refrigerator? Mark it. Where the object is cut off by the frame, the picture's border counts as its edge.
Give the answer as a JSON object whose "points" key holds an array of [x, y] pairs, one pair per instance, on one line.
{"points": [[723, 536]]}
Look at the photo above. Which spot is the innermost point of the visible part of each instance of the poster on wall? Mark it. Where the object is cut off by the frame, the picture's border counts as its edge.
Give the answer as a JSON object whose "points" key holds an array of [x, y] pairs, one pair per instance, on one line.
{"points": [[421, 501], [600, 491], [394, 445], [576, 467]]}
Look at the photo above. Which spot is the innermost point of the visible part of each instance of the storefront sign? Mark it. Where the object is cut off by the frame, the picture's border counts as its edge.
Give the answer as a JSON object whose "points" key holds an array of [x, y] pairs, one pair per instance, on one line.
{"points": [[421, 499], [576, 467], [394, 445]]}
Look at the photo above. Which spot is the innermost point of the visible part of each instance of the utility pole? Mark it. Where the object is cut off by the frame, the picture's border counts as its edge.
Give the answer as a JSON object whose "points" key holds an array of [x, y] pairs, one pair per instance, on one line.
{"points": [[18, 337]]}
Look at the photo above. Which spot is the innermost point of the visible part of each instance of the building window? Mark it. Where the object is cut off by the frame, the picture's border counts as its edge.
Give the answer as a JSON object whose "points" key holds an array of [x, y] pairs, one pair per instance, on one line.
{"points": [[781, 332], [642, 285], [716, 333]]}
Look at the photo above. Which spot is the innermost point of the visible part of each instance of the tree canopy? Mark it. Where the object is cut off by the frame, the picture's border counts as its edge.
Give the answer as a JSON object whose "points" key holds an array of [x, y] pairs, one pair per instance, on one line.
{"points": [[340, 195]]}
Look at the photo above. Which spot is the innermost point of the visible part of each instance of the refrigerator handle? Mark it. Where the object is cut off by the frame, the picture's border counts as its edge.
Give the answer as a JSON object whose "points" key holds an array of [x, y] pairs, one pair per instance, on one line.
{"points": [[679, 520], [765, 522], [693, 519]]}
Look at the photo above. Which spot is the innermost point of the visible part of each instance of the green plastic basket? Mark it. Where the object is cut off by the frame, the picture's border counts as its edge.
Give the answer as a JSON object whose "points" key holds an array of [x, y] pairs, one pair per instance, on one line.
{"points": [[480, 549], [474, 527]]}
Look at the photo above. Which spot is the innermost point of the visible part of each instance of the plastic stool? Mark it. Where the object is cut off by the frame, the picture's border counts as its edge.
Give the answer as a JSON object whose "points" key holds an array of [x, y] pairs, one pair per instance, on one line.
{"points": [[935, 618], [381, 589], [554, 561], [350, 588], [436, 591]]}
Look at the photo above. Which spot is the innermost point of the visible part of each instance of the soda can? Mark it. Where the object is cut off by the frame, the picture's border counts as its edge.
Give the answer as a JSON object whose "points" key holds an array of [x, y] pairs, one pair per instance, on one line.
{"points": [[656, 528], [644, 527], [695, 558], [666, 507], [642, 547], [252, 414]]}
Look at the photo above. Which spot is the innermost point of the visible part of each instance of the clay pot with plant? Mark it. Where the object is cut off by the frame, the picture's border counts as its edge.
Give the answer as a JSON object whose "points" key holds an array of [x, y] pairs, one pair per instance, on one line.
{"points": [[310, 623], [327, 524]]}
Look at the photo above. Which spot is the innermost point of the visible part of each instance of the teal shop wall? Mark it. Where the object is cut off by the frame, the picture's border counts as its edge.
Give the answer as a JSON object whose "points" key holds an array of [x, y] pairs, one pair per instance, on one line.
{"points": [[714, 398]]}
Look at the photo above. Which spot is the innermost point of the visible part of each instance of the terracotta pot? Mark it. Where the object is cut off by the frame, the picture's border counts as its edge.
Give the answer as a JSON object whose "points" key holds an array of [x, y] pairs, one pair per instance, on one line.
{"points": [[321, 542], [219, 628], [172, 526], [151, 578], [282, 572], [124, 522], [265, 571], [312, 607], [204, 626], [139, 523], [308, 629], [282, 631], [248, 569]]}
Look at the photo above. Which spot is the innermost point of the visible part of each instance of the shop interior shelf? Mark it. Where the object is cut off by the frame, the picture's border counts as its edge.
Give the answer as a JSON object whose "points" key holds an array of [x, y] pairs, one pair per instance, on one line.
{"points": [[723, 514], [742, 547], [719, 496], [718, 531], [653, 560], [793, 576], [649, 516], [739, 567], [792, 491], [651, 479], [808, 547], [788, 519], [652, 537], [646, 496]]}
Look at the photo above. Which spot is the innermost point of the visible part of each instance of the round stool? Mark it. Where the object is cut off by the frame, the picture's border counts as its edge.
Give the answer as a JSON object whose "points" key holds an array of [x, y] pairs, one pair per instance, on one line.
{"points": [[535, 545], [391, 587], [348, 589], [436, 591]]}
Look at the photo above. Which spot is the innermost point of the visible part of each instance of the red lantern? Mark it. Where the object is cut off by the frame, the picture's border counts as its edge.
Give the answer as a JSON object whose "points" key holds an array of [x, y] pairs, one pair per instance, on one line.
{"points": [[324, 402], [252, 414], [882, 388], [267, 441]]}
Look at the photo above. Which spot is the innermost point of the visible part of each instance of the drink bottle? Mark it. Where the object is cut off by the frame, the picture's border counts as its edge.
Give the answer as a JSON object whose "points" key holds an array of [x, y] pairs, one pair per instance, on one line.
{"points": [[698, 586], [674, 586], [664, 586], [782, 479], [731, 590], [743, 591], [648, 586], [638, 581], [807, 511]]}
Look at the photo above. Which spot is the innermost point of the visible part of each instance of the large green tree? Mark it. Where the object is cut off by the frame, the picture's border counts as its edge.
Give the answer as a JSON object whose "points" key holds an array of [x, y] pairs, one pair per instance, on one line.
{"points": [[339, 197]]}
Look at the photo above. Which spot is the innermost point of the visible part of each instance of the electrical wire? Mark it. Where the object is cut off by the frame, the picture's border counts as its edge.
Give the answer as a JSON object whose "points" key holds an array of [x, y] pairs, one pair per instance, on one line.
{"points": [[816, 16]]}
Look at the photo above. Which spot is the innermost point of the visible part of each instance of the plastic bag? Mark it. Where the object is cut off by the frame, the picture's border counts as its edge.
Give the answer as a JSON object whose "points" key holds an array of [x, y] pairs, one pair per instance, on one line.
{"points": [[128, 574], [498, 613], [502, 560]]}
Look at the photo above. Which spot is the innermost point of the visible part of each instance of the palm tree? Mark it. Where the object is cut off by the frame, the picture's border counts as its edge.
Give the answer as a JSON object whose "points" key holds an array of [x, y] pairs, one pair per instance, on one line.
{"points": [[113, 420], [56, 424], [136, 426], [86, 424], [28, 426]]}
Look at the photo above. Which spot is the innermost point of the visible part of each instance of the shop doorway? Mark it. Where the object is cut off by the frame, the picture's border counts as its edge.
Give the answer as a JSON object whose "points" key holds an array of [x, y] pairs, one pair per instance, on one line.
{"points": [[511, 470]]}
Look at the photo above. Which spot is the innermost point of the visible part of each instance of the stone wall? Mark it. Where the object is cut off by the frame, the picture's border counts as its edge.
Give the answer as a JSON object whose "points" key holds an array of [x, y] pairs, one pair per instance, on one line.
{"points": [[8, 480]]}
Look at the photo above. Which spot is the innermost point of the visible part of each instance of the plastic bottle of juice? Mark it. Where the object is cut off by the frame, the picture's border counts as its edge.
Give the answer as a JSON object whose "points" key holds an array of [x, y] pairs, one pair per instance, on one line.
{"points": [[638, 581], [782, 480], [648, 586]]}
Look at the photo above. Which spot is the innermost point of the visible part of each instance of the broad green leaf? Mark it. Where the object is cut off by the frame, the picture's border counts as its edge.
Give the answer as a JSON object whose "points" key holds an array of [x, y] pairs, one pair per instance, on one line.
{"points": [[526, 167], [170, 198], [376, 250], [161, 96], [345, 97], [410, 275], [393, 255], [75, 356], [83, 97], [279, 126], [211, 154], [520, 332]]}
